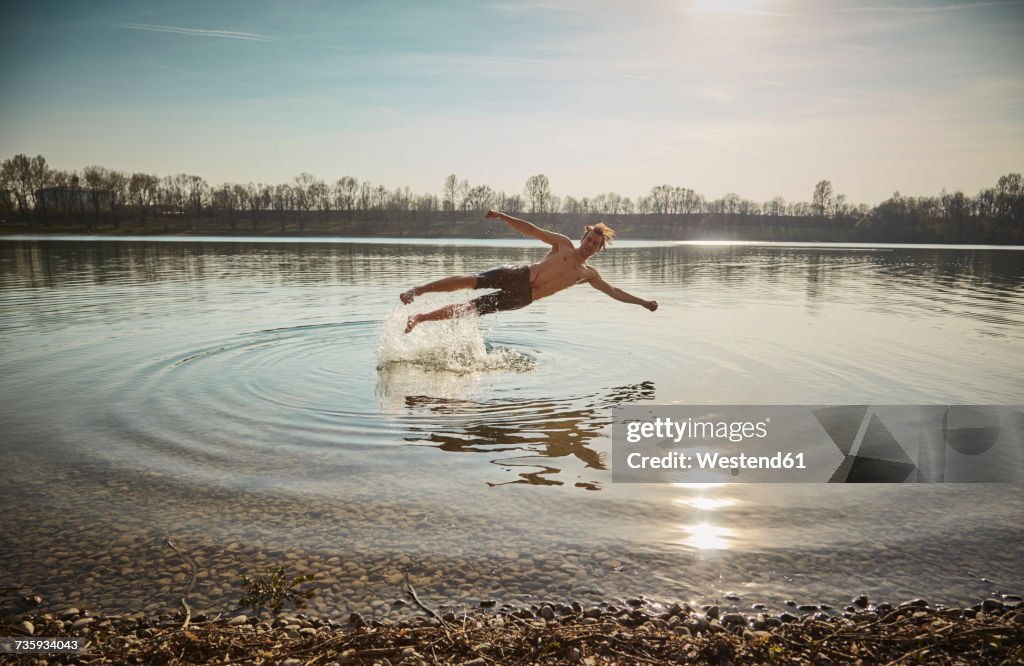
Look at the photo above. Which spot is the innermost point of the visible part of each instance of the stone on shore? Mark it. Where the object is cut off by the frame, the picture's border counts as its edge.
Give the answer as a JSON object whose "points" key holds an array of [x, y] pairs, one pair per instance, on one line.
{"points": [[734, 620]]}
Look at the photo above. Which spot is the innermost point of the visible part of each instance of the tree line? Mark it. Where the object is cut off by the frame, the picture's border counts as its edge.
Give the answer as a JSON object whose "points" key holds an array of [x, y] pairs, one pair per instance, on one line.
{"points": [[32, 193]]}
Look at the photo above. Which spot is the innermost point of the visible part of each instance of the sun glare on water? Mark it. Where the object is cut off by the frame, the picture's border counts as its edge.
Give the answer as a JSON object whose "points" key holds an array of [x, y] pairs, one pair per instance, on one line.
{"points": [[705, 503], [704, 536]]}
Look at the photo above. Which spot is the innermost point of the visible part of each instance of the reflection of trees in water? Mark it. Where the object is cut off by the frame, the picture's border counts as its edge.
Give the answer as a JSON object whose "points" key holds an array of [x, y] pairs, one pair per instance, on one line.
{"points": [[57, 263], [543, 429], [827, 271], [977, 284], [832, 269]]}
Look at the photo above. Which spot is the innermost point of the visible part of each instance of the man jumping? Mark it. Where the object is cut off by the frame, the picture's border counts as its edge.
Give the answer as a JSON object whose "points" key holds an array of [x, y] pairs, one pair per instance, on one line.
{"points": [[518, 286]]}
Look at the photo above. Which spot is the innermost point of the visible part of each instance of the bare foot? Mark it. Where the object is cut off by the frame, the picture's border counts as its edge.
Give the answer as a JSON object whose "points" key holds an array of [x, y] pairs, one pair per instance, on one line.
{"points": [[411, 324], [407, 296]]}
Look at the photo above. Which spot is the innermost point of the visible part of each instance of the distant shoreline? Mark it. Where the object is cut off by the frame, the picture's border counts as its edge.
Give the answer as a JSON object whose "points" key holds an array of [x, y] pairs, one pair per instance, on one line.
{"points": [[698, 228], [28, 235], [332, 238], [440, 225]]}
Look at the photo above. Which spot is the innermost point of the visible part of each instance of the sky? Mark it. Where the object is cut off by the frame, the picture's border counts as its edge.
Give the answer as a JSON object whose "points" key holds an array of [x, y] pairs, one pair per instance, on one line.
{"points": [[763, 98]]}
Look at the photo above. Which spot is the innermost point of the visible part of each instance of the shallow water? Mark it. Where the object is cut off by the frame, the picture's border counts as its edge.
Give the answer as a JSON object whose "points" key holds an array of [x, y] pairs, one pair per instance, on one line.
{"points": [[256, 402]]}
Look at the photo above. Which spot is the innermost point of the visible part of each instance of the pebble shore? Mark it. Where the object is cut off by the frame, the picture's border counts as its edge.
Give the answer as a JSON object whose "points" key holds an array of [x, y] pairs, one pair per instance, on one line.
{"points": [[990, 632], [360, 551]]}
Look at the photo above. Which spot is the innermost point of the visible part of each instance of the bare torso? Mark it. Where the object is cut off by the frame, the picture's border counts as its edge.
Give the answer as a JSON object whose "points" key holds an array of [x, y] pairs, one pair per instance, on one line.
{"points": [[560, 269]]}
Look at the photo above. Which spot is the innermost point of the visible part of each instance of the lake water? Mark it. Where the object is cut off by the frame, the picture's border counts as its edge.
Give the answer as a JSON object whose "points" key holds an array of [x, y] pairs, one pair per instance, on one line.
{"points": [[256, 403]]}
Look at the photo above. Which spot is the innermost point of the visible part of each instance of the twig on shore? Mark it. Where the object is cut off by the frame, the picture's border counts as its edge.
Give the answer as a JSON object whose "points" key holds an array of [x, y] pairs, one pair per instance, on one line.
{"points": [[431, 611], [416, 600], [191, 583]]}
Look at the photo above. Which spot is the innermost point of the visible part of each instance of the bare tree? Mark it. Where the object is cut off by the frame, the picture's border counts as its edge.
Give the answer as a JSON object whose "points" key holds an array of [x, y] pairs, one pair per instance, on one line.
{"points": [[822, 200], [955, 206], [61, 194], [282, 195], [142, 193], [748, 207], [117, 185], [554, 203], [449, 194], [614, 204], [511, 204], [222, 200], [480, 198], [462, 194], [800, 209], [428, 203], [172, 194], [302, 184], [241, 197], [23, 176], [731, 203], [1009, 197], [660, 200], [345, 193], [775, 208], [364, 196], [985, 202], [538, 191], [260, 198], [96, 179], [839, 206], [198, 194], [320, 196]]}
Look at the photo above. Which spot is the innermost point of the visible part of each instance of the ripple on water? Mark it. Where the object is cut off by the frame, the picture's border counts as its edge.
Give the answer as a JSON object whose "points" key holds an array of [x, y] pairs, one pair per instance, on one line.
{"points": [[299, 398], [291, 402], [236, 403]]}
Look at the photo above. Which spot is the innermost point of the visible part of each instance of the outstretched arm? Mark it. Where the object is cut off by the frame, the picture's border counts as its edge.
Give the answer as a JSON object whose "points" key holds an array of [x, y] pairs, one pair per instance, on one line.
{"points": [[529, 229], [597, 282]]}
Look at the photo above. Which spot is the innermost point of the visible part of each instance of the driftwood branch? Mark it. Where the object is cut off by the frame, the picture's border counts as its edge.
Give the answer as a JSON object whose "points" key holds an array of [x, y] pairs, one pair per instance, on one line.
{"points": [[191, 584]]}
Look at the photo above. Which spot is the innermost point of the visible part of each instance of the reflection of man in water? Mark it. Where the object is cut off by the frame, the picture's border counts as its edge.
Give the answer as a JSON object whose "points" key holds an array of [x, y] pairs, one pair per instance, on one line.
{"points": [[518, 286]]}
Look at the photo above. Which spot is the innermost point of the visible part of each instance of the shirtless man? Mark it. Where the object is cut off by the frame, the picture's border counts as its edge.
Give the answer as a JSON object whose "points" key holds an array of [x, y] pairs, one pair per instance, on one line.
{"points": [[518, 286]]}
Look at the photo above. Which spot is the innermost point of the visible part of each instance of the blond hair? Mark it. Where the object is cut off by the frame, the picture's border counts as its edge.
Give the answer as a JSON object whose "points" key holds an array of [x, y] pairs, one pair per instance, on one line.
{"points": [[606, 233]]}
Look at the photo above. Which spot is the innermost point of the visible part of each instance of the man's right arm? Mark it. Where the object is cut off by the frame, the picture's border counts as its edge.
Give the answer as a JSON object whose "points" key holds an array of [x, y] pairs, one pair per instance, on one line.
{"points": [[529, 229]]}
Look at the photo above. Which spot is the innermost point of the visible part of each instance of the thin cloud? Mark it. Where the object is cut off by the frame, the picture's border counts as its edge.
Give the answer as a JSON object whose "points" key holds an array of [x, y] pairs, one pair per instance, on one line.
{"points": [[920, 9], [528, 7], [394, 114], [548, 65], [199, 75], [717, 94], [196, 32]]}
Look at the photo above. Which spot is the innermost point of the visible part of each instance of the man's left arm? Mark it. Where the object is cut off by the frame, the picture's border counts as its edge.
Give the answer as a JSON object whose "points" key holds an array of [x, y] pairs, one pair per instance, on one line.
{"points": [[597, 282]]}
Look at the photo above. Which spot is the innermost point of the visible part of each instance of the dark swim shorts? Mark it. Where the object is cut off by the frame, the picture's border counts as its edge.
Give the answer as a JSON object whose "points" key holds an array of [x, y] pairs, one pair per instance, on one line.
{"points": [[513, 283]]}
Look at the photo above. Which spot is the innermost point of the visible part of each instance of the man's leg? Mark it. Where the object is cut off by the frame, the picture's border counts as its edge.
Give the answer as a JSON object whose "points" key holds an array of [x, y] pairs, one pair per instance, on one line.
{"points": [[447, 312], [453, 283]]}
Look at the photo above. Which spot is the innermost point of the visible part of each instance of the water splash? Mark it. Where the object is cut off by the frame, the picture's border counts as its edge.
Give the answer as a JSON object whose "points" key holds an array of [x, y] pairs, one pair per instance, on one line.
{"points": [[451, 346]]}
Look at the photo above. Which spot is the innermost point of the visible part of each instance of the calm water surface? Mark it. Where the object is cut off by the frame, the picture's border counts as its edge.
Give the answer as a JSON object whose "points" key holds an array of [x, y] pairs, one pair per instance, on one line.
{"points": [[256, 403]]}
